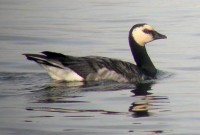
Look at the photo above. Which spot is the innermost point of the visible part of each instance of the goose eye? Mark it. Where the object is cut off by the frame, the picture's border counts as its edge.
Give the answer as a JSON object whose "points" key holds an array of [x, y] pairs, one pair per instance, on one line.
{"points": [[147, 31]]}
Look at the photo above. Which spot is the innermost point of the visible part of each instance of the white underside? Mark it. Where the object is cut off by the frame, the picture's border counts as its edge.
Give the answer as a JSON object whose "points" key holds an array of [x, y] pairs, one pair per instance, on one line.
{"points": [[62, 74]]}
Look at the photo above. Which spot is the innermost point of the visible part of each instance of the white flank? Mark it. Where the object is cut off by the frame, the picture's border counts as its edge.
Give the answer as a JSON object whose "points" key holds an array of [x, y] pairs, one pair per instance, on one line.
{"points": [[62, 74], [140, 37]]}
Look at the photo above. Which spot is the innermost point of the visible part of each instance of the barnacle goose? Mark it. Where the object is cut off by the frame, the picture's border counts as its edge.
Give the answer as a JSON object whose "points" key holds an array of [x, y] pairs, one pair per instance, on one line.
{"points": [[94, 68]]}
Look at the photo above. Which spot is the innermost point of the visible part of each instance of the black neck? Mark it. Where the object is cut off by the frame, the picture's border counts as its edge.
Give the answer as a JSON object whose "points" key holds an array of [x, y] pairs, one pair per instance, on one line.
{"points": [[142, 58]]}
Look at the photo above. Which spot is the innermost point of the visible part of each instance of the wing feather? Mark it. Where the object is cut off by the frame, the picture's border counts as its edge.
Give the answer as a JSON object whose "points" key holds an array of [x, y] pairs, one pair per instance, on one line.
{"points": [[85, 66]]}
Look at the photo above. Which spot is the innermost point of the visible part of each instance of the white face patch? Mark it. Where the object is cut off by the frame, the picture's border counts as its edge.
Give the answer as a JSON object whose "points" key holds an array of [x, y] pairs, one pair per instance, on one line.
{"points": [[140, 36]]}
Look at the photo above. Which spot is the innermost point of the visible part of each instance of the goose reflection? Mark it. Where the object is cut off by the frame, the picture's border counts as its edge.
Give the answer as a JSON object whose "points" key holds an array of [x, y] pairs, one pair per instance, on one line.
{"points": [[74, 93], [142, 89], [140, 106], [144, 101], [62, 92]]}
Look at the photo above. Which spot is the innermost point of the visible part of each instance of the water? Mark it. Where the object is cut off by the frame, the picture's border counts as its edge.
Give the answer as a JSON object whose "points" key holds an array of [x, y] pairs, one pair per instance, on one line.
{"points": [[31, 103]]}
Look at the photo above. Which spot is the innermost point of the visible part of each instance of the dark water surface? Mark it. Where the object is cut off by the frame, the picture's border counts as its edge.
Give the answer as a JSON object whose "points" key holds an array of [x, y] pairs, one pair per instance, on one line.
{"points": [[31, 103]]}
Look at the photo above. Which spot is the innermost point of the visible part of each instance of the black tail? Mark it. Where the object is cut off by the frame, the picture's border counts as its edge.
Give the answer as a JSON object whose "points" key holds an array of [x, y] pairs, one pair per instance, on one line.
{"points": [[46, 59], [53, 54]]}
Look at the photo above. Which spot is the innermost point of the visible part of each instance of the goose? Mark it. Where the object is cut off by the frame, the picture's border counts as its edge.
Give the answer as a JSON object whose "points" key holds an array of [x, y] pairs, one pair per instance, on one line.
{"points": [[96, 68]]}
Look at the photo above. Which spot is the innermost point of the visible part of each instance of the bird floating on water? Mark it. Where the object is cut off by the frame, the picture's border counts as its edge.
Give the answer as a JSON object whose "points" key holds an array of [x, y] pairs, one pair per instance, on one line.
{"points": [[95, 68]]}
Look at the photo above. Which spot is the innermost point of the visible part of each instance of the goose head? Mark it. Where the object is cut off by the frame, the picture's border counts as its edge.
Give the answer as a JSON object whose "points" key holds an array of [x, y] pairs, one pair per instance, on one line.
{"points": [[144, 33]]}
